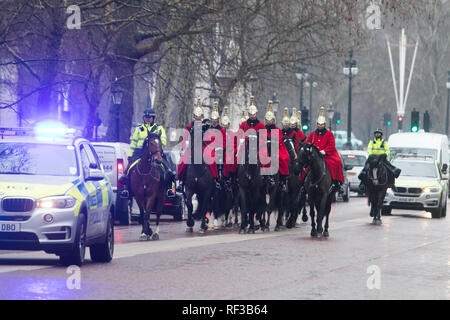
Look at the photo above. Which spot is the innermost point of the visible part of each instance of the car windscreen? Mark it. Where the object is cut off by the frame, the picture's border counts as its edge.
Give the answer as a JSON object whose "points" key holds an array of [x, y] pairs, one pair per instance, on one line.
{"points": [[37, 159], [417, 169], [418, 151], [354, 160]]}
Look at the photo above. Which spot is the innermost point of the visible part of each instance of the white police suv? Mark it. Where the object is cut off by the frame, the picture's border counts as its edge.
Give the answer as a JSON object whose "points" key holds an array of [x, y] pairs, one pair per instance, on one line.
{"points": [[54, 195]]}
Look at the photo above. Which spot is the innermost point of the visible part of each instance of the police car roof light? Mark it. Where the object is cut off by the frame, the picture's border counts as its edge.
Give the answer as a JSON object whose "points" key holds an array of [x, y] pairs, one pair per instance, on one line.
{"points": [[52, 130]]}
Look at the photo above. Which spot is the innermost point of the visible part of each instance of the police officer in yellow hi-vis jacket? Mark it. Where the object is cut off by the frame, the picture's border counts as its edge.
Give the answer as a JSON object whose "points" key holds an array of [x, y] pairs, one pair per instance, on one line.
{"points": [[137, 143], [378, 146]]}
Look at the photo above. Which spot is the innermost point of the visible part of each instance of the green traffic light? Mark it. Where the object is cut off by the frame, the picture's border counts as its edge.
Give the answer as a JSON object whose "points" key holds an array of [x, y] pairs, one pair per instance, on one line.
{"points": [[338, 122], [388, 123], [305, 127], [414, 128]]}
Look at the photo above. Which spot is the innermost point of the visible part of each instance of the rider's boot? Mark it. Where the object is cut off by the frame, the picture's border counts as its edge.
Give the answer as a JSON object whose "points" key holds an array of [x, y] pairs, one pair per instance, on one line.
{"points": [[124, 177]]}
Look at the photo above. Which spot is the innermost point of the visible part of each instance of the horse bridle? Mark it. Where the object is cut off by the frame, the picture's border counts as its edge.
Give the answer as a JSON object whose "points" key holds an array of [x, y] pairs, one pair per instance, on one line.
{"points": [[324, 171], [151, 160], [373, 179]]}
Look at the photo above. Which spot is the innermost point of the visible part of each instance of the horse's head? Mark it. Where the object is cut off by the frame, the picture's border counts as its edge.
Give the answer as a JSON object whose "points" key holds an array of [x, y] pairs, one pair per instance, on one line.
{"points": [[306, 153], [375, 160], [153, 146], [290, 146]]}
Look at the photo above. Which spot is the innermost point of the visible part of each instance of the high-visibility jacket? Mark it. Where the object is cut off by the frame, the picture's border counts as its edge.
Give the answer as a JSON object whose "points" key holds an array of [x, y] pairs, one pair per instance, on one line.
{"points": [[140, 134], [378, 146]]}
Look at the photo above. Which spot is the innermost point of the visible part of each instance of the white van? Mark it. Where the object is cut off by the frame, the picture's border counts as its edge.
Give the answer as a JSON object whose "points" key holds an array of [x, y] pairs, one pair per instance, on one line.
{"points": [[429, 144], [114, 159]]}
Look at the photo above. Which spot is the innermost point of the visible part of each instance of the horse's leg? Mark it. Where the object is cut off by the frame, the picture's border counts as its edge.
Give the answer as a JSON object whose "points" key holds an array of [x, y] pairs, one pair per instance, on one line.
{"points": [[149, 205], [204, 200], [381, 195], [303, 204], [190, 220], [327, 216], [312, 203], [159, 209], [321, 213], [142, 220], [244, 210]]}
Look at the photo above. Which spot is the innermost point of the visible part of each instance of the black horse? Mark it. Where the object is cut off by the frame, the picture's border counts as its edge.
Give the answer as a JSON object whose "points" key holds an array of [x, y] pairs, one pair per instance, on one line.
{"points": [[318, 186], [251, 189], [199, 181], [376, 184], [272, 189], [293, 202], [231, 200]]}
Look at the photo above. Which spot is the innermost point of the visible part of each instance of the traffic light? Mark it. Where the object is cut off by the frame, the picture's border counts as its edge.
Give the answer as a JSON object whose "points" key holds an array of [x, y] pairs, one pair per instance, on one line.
{"points": [[387, 119], [400, 122], [415, 121], [337, 118], [426, 122], [305, 120]]}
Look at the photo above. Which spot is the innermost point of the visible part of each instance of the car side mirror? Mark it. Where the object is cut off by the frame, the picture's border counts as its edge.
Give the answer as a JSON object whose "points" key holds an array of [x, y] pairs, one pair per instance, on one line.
{"points": [[444, 168], [348, 167], [95, 174]]}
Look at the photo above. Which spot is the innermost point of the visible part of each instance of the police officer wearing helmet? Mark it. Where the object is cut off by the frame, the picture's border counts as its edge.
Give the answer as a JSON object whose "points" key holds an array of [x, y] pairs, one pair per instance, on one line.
{"points": [[378, 146], [137, 144]]}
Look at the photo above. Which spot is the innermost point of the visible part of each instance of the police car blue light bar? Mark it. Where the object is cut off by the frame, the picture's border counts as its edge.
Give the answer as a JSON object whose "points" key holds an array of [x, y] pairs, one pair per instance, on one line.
{"points": [[52, 130]]}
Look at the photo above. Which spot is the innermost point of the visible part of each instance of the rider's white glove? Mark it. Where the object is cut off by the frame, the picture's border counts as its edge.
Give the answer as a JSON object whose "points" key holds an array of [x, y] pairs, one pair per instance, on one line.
{"points": [[322, 152]]}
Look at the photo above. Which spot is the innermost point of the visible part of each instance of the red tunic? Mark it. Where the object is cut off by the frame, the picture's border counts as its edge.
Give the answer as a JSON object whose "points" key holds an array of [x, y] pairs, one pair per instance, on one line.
{"points": [[283, 155], [230, 159], [326, 143], [181, 172], [299, 138]]}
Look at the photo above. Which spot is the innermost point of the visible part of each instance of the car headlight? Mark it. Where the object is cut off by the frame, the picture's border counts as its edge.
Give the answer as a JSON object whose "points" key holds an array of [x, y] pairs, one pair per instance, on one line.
{"points": [[56, 202], [431, 189], [389, 190]]}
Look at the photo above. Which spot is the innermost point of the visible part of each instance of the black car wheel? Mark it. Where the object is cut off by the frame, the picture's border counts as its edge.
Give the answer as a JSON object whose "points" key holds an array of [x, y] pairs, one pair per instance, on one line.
{"points": [[103, 252], [76, 256]]}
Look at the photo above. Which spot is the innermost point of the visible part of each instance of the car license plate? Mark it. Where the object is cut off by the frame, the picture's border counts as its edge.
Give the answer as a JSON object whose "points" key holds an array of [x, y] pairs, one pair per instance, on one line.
{"points": [[351, 174], [406, 199], [9, 227]]}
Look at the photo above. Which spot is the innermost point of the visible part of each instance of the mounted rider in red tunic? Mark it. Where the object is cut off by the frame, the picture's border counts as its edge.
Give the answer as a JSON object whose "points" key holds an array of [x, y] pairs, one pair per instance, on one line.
{"points": [[186, 157], [230, 142], [283, 156], [323, 139]]}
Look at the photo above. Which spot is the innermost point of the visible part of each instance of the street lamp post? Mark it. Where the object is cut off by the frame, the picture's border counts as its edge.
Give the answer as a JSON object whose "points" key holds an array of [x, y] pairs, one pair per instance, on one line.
{"points": [[350, 70], [448, 103], [117, 94], [330, 113], [311, 84], [301, 75]]}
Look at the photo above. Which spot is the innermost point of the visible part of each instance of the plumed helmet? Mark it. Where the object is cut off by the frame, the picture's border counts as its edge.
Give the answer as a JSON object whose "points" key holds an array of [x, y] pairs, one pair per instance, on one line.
{"points": [[215, 112], [285, 119], [293, 119], [270, 115], [149, 113], [198, 109], [252, 108], [225, 120], [321, 119]]}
